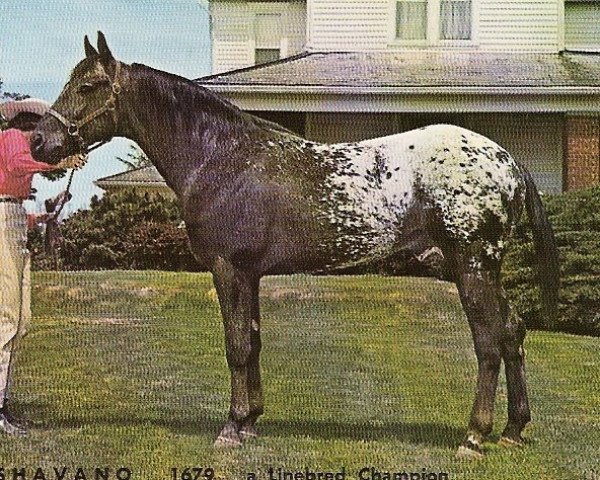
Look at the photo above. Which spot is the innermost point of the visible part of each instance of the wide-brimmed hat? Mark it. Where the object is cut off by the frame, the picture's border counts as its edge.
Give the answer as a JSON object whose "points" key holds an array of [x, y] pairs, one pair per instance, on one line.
{"points": [[10, 109]]}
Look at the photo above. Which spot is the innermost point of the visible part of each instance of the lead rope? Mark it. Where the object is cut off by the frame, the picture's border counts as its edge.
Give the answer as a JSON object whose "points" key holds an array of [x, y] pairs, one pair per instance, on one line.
{"points": [[65, 198]]}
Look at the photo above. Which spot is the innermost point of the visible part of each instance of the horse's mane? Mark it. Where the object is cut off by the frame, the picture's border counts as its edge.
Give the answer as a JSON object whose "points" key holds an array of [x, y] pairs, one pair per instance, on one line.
{"points": [[187, 101]]}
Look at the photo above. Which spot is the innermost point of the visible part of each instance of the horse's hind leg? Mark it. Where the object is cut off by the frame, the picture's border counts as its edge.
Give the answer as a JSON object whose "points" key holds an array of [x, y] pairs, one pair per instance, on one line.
{"points": [[514, 362], [238, 296], [479, 293]]}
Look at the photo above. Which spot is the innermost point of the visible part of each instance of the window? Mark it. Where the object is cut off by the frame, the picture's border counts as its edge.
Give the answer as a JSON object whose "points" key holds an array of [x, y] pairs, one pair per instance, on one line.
{"points": [[265, 55], [433, 21], [267, 37], [455, 20], [411, 19], [582, 26]]}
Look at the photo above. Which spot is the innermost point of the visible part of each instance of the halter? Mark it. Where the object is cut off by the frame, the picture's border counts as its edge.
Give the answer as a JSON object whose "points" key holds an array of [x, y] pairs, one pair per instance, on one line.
{"points": [[108, 107], [73, 127]]}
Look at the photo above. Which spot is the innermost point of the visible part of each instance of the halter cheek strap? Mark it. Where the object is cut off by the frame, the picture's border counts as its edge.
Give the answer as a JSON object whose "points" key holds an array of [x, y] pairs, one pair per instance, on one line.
{"points": [[109, 107]]}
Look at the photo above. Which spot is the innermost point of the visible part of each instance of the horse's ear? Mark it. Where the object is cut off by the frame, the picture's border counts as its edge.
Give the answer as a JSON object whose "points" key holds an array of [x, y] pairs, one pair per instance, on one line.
{"points": [[106, 57], [89, 50]]}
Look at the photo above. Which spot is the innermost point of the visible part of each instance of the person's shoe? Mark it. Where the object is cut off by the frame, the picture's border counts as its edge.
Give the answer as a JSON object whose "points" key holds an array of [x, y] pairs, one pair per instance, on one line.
{"points": [[10, 425]]}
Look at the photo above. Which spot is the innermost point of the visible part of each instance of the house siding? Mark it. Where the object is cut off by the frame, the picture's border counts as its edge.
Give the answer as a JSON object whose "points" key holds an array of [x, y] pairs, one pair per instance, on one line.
{"points": [[513, 25], [233, 31], [230, 36], [347, 25], [296, 27], [229, 55], [518, 25]]}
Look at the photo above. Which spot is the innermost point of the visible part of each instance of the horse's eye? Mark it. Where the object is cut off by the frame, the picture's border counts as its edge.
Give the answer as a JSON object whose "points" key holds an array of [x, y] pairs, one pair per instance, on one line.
{"points": [[86, 87]]}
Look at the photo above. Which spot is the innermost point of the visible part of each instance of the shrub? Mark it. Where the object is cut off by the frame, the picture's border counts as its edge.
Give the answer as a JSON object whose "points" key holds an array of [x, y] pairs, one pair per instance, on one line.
{"points": [[157, 245], [575, 217], [122, 230]]}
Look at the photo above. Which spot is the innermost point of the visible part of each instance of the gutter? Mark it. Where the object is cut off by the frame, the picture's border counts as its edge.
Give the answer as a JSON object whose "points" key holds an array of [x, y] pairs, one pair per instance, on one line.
{"points": [[417, 90], [110, 184]]}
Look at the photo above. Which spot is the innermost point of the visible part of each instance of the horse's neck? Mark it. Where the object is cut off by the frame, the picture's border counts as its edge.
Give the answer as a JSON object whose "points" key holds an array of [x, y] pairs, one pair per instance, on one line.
{"points": [[175, 136]]}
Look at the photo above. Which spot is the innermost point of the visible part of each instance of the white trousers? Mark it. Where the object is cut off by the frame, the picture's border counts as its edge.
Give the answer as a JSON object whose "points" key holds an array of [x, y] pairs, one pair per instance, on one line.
{"points": [[15, 287]]}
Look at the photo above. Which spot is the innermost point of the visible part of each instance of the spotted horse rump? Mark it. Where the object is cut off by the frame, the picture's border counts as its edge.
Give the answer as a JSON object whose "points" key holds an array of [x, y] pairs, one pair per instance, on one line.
{"points": [[470, 188], [258, 200]]}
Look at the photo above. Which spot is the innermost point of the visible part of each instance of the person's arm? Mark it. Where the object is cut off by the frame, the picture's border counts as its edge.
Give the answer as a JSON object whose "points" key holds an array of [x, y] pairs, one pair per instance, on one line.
{"points": [[19, 159]]}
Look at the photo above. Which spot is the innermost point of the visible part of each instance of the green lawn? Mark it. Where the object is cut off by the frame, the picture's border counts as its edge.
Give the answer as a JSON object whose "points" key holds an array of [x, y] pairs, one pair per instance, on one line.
{"points": [[128, 369]]}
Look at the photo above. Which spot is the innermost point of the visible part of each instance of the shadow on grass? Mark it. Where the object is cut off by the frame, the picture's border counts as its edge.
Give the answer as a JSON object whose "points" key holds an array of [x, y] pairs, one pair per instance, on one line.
{"points": [[427, 433]]}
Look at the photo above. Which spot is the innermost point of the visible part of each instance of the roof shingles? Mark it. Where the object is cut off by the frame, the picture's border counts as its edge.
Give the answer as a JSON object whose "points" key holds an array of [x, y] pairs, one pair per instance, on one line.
{"points": [[144, 176], [419, 69]]}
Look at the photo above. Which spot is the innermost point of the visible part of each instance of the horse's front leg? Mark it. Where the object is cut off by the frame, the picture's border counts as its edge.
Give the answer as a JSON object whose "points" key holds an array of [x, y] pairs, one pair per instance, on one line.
{"points": [[255, 394], [237, 291]]}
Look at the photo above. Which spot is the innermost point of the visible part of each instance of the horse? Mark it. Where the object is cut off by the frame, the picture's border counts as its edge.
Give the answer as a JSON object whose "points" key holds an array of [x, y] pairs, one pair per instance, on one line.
{"points": [[259, 200]]}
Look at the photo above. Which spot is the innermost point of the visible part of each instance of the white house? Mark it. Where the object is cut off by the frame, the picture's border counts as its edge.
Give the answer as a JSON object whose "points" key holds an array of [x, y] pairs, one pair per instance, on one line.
{"points": [[526, 73]]}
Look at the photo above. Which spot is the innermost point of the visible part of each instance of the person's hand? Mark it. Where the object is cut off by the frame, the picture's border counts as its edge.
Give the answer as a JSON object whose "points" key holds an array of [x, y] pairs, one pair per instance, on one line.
{"points": [[75, 161], [44, 217], [60, 169]]}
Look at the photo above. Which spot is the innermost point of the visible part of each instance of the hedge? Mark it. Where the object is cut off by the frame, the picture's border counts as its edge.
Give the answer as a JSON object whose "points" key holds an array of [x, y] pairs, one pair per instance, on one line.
{"points": [[575, 217]]}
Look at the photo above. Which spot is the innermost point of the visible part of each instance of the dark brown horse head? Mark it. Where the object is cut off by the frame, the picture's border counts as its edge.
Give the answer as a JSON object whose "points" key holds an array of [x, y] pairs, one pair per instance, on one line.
{"points": [[85, 111]]}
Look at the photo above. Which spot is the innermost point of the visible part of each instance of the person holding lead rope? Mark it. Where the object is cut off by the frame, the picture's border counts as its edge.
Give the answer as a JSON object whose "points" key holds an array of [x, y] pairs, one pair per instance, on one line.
{"points": [[17, 168]]}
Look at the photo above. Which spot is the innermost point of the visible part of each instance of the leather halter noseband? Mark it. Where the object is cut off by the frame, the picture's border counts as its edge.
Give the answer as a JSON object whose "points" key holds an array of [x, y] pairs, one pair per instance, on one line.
{"points": [[108, 107]]}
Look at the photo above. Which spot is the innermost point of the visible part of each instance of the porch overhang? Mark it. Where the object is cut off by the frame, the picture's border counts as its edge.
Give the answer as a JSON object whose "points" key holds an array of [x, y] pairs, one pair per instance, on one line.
{"points": [[422, 99], [416, 82], [139, 178]]}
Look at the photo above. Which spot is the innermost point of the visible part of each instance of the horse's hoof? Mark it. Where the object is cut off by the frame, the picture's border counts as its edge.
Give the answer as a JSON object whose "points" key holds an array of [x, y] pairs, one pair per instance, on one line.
{"points": [[466, 453], [227, 442], [510, 442], [228, 438], [248, 432]]}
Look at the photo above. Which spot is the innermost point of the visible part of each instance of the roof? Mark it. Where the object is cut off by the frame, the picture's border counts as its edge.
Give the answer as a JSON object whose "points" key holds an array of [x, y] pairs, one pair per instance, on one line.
{"points": [[144, 176], [422, 69]]}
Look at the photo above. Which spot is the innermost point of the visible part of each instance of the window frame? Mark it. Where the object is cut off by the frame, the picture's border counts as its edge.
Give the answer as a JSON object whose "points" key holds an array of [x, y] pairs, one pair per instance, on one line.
{"points": [[270, 8], [433, 36]]}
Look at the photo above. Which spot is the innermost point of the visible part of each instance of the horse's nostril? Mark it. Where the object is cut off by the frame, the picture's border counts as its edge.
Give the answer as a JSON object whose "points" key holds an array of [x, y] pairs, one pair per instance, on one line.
{"points": [[37, 141], [55, 151]]}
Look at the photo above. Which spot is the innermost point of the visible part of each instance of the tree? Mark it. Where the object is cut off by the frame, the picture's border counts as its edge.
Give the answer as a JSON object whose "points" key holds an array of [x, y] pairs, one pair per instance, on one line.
{"points": [[11, 95], [135, 159]]}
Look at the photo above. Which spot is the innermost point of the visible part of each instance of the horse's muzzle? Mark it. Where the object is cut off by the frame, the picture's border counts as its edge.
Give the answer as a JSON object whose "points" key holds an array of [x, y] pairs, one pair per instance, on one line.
{"points": [[44, 149]]}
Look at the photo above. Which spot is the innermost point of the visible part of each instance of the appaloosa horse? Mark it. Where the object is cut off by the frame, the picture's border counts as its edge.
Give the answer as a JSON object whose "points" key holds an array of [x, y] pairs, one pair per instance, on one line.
{"points": [[259, 200]]}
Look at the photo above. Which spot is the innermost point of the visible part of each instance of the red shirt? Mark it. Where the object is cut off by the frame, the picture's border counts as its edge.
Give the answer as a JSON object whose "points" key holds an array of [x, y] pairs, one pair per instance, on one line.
{"points": [[17, 166]]}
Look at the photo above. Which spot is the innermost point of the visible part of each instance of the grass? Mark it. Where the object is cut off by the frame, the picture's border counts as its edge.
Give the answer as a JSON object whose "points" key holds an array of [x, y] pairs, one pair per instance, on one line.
{"points": [[128, 369]]}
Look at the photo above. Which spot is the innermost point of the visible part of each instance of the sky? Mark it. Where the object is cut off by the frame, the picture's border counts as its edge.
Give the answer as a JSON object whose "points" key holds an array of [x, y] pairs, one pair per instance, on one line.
{"points": [[42, 40]]}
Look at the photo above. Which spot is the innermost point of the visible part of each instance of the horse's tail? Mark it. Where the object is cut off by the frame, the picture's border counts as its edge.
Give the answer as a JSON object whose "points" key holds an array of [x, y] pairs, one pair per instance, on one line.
{"points": [[546, 251]]}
